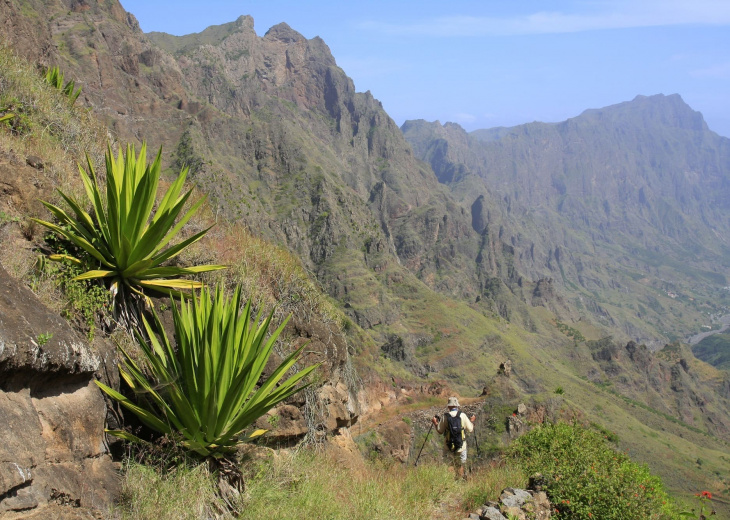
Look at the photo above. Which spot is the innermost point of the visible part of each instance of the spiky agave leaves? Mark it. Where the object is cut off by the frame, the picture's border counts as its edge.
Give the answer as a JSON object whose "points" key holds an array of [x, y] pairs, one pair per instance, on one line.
{"points": [[125, 243], [205, 387], [54, 77]]}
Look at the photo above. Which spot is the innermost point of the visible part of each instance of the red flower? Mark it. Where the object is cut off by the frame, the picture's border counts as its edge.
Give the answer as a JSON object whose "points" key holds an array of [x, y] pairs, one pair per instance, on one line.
{"points": [[707, 495]]}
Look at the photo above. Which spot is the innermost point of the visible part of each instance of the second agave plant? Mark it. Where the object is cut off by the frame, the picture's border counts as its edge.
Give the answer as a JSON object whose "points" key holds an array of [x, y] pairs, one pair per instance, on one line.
{"points": [[204, 388]]}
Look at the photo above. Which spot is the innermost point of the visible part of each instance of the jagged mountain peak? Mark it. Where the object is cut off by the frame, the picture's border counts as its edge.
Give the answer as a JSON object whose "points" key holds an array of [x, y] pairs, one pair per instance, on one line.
{"points": [[284, 33]]}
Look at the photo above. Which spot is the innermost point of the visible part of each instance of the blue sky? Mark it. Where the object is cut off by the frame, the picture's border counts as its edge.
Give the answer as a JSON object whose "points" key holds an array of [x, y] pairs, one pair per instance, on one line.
{"points": [[487, 63]]}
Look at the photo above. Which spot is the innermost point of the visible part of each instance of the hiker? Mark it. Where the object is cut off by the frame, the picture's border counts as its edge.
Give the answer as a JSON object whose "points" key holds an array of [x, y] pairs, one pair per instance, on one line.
{"points": [[454, 426]]}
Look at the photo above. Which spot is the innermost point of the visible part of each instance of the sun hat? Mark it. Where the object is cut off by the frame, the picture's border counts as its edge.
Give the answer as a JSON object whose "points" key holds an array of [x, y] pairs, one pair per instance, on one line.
{"points": [[453, 401]]}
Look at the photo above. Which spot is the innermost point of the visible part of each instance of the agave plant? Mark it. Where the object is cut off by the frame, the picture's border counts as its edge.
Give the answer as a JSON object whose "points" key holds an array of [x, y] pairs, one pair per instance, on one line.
{"points": [[124, 243], [54, 77], [205, 389]]}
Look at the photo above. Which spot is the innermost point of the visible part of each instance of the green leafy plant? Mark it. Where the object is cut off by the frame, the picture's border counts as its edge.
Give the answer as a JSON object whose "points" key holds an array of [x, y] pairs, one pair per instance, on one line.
{"points": [[124, 243], [587, 479], [6, 218], [16, 116], [559, 390], [86, 301], [54, 77], [44, 338], [205, 389]]}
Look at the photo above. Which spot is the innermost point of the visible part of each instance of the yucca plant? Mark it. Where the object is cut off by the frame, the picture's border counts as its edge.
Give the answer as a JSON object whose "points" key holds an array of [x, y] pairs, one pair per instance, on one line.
{"points": [[54, 77], [124, 243], [205, 389]]}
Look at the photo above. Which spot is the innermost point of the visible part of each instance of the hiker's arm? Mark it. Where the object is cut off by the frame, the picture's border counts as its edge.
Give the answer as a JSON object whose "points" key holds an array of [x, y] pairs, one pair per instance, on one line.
{"points": [[440, 424], [468, 423]]}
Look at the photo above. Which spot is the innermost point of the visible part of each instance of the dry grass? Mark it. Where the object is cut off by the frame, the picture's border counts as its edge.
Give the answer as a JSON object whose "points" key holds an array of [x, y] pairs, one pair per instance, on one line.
{"points": [[184, 493], [270, 275], [303, 485], [46, 124]]}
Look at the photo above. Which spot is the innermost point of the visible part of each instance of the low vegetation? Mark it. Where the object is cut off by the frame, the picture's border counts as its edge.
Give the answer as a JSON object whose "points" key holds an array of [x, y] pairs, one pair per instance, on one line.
{"points": [[586, 478], [714, 350], [41, 121], [54, 77]]}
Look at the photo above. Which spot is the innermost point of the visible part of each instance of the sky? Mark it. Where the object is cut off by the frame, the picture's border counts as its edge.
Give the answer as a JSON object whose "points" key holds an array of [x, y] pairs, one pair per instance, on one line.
{"points": [[487, 63]]}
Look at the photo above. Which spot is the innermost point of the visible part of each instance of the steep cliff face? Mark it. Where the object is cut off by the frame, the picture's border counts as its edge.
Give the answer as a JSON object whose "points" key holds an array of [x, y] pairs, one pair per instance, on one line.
{"points": [[274, 131], [632, 192], [331, 172]]}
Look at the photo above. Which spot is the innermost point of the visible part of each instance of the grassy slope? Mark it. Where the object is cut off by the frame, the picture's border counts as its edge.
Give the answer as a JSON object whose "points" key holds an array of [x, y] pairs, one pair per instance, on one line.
{"points": [[300, 485]]}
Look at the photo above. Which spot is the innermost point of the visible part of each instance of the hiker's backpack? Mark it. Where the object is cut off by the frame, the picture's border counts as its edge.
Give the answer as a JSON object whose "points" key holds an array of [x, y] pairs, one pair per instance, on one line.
{"points": [[454, 432]]}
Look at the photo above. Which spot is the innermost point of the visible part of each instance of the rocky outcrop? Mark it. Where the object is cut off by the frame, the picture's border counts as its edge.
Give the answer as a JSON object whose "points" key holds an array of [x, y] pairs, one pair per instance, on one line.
{"points": [[322, 409], [52, 447], [521, 504]]}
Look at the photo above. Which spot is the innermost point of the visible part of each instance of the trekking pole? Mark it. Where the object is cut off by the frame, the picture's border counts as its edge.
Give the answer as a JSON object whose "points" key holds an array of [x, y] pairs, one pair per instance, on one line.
{"points": [[476, 441], [424, 443]]}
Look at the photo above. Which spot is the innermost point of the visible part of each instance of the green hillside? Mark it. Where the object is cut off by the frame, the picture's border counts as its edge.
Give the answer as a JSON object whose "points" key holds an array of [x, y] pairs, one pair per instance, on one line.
{"points": [[714, 350]]}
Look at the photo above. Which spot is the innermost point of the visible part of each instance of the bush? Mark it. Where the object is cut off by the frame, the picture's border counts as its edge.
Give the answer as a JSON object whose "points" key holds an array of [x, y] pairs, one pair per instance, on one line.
{"points": [[587, 479]]}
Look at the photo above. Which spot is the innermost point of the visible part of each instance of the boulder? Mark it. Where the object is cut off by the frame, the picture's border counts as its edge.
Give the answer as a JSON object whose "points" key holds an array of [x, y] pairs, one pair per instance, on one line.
{"points": [[52, 446]]}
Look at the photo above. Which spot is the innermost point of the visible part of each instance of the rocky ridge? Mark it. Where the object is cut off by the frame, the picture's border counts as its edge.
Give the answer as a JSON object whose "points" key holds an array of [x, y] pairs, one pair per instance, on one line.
{"points": [[274, 130]]}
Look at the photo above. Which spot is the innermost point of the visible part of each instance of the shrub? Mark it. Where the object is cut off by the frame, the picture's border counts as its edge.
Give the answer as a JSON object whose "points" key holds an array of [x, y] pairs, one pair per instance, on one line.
{"points": [[587, 479], [204, 389]]}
